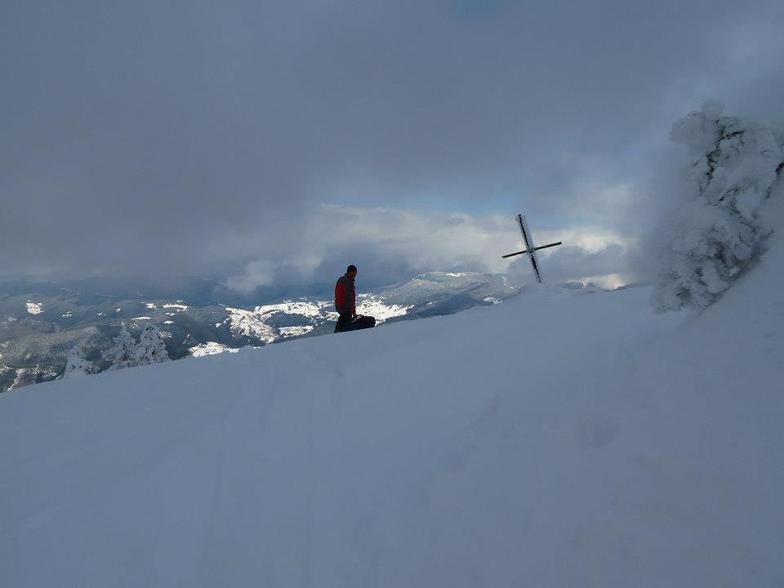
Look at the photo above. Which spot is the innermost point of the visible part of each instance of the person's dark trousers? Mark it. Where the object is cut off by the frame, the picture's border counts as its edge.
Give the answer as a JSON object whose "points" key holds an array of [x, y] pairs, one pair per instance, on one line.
{"points": [[346, 323]]}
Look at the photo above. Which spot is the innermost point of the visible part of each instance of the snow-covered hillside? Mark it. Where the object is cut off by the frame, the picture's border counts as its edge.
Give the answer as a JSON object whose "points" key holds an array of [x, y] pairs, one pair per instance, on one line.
{"points": [[559, 439], [37, 338]]}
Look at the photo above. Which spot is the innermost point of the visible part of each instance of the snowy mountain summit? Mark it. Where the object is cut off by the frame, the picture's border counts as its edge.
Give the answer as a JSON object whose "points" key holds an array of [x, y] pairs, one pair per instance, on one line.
{"points": [[558, 439]]}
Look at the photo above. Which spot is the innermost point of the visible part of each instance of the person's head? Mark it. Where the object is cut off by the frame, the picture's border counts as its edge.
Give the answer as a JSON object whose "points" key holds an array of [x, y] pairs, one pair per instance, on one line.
{"points": [[351, 271]]}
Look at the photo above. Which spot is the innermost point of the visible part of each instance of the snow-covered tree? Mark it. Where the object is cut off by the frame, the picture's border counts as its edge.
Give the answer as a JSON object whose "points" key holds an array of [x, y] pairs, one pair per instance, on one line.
{"points": [[151, 347], [76, 364], [715, 235], [122, 353]]}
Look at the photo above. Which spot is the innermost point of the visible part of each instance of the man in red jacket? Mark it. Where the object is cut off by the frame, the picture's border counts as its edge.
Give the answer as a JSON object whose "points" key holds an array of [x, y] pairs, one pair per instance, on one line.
{"points": [[346, 304]]}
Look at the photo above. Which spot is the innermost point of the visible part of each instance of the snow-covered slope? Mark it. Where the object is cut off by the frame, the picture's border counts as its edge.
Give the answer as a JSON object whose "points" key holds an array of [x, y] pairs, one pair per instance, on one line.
{"points": [[37, 337], [558, 439]]}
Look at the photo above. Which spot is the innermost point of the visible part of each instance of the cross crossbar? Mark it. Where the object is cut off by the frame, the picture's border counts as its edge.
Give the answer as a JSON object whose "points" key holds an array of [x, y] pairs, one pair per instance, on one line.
{"points": [[534, 249]]}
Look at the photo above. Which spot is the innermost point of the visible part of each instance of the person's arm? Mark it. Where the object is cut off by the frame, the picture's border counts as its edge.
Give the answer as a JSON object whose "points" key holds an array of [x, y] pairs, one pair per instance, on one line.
{"points": [[340, 297]]}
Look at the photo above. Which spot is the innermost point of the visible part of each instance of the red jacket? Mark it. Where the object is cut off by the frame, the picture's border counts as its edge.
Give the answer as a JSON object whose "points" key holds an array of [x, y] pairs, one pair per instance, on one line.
{"points": [[345, 296]]}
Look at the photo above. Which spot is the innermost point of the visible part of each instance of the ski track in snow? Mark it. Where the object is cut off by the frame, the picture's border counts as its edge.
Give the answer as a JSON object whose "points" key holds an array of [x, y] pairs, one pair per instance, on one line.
{"points": [[560, 439]]}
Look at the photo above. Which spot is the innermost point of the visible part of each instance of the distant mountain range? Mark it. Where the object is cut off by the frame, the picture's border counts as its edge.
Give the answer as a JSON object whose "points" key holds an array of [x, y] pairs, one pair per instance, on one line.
{"points": [[40, 325]]}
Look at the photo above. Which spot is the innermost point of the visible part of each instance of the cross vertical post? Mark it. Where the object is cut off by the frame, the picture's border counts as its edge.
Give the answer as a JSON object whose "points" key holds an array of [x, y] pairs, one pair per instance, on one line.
{"points": [[528, 239]]}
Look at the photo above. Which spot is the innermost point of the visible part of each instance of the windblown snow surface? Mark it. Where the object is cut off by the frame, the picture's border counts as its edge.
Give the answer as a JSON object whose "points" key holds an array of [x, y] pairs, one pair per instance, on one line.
{"points": [[558, 439]]}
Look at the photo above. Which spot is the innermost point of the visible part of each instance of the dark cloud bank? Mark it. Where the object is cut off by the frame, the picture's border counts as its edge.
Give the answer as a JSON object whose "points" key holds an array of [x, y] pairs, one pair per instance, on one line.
{"points": [[166, 138]]}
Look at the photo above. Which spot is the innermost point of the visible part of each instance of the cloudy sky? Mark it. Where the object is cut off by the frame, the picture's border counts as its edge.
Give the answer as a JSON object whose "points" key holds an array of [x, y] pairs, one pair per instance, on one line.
{"points": [[273, 142]]}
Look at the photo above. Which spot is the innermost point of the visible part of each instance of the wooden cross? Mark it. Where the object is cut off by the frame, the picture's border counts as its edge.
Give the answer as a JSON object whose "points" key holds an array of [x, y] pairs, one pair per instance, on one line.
{"points": [[530, 249]]}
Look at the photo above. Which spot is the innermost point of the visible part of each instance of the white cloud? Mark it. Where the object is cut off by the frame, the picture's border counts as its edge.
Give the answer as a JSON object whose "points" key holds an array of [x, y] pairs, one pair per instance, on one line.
{"points": [[390, 244], [254, 112], [256, 273]]}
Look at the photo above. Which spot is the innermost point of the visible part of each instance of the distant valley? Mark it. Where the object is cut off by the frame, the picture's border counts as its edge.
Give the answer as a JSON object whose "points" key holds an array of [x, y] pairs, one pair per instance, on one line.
{"points": [[40, 326]]}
